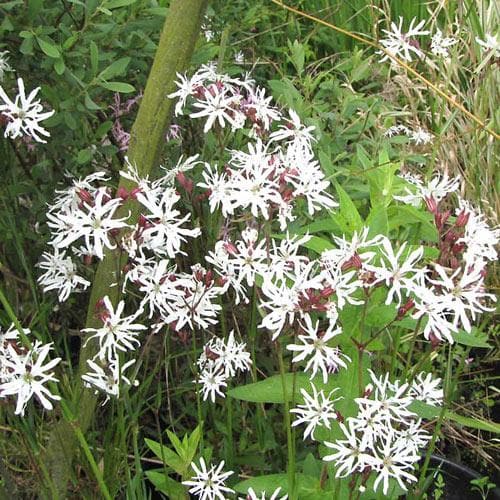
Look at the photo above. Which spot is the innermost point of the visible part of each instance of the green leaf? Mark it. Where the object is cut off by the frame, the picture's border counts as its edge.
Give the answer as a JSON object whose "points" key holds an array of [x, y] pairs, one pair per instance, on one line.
{"points": [[473, 339], [378, 221], [122, 87], [168, 456], [94, 57], [429, 412], [297, 55], [90, 104], [48, 47], [116, 68], [59, 66], [167, 485], [347, 215], [309, 488], [115, 4]]}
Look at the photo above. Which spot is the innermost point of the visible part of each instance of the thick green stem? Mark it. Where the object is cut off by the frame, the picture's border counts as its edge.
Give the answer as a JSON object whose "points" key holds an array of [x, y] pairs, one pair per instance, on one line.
{"points": [[175, 48]]}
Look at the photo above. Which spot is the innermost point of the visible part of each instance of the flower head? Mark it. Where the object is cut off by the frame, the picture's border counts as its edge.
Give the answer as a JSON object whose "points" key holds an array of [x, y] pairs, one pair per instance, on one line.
{"points": [[24, 113], [209, 483]]}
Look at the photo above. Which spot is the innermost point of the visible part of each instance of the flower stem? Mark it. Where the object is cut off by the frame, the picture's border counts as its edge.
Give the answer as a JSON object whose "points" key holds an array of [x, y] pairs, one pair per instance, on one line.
{"points": [[288, 427]]}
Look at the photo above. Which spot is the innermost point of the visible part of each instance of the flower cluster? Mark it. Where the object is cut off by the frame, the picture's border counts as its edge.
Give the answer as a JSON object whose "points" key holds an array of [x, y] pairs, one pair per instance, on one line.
{"points": [[220, 360], [275, 172], [383, 438], [417, 136], [24, 372]]}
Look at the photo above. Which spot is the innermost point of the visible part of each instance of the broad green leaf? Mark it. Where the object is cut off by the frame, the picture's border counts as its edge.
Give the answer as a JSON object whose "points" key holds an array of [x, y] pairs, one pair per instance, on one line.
{"points": [[168, 456], [377, 221], [270, 390], [116, 68], [347, 214], [122, 87], [173, 489], [473, 339], [427, 411], [48, 47], [308, 486]]}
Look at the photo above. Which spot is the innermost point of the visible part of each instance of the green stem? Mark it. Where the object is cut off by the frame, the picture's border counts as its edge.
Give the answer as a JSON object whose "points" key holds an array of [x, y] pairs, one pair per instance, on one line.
{"points": [[176, 45], [288, 427], [412, 346]]}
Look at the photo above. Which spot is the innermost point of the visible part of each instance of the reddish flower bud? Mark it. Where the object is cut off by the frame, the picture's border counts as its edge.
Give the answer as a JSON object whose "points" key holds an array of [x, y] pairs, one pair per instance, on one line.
{"points": [[186, 183], [85, 196], [462, 219], [431, 204], [122, 193], [230, 248], [403, 310], [134, 192], [434, 341]]}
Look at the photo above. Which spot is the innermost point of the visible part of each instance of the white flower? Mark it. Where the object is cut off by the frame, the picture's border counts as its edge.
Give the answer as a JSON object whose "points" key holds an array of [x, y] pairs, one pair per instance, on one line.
{"points": [[391, 460], [401, 44], [166, 233], [490, 43], [384, 438], [218, 105], [436, 189], [212, 381], [209, 484], [479, 238], [429, 307], [4, 65], [440, 44], [420, 136], [60, 274], [294, 131], [348, 456], [426, 388], [118, 333], [314, 346], [317, 411], [251, 495], [462, 293], [398, 276], [239, 57], [228, 355], [197, 304], [108, 378], [27, 375], [25, 114], [92, 222]]}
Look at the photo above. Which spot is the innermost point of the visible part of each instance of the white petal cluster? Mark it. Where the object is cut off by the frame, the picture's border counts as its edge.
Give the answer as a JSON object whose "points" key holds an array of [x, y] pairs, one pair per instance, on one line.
{"points": [[209, 483], [318, 410], [385, 437], [440, 44], [24, 372], [4, 64], [436, 189], [417, 135], [251, 495], [118, 334], [24, 113], [221, 360], [403, 44]]}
